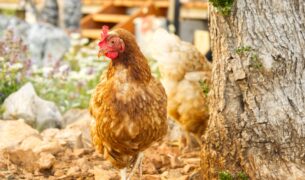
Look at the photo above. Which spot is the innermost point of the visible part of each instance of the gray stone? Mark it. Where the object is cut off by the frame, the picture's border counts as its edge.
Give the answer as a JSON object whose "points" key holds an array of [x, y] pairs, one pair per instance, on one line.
{"points": [[35, 111], [47, 44], [74, 115], [65, 14]]}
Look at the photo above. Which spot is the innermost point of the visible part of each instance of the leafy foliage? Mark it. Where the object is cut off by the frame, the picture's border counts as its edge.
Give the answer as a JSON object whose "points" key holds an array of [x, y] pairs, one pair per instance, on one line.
{"points": [[8, 12], [14, 63], [205, 87], [69, 82], [223, 6], [255, 62], [225, 175], [243, 49]]}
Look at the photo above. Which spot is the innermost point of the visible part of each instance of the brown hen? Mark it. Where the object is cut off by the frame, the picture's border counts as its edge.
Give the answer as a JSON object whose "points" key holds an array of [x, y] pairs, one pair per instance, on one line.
{"points": [[128, 104]]}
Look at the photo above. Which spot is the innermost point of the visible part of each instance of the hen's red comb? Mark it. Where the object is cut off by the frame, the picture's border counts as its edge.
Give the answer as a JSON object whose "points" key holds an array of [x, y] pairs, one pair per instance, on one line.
{"points": [[104, 35]]}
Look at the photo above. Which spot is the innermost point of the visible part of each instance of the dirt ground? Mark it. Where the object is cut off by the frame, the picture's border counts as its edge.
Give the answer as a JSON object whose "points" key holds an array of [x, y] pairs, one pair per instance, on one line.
{"points": [[162, 161], [54, 158]]}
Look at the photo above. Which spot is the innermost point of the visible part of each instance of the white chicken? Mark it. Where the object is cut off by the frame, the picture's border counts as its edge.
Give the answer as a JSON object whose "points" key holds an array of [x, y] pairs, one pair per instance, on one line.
{"points": [[185, 75]]}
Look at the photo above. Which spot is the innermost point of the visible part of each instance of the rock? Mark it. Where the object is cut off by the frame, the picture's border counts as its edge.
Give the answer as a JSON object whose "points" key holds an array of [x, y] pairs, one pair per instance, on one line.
{"points": [[71, 138], [79, 152], [18, 26], [75, 135], [66, 14], [49, 134], [175, 174], [184, 177], [12, 133], [102, 174], [47, 44], [52, 147], [74, 115], [35, 111], [82, 124], [149, 167], [175, 162], [73, 170], [59, 172], [46, 161], [70, 15], [26, 159], [188, 168], [31, 143], [83, 164], [155, 159], [151, 177]]}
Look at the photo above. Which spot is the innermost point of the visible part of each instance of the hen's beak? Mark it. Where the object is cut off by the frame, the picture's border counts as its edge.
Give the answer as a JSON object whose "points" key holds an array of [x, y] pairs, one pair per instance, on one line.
{"points": [[101, 52]]}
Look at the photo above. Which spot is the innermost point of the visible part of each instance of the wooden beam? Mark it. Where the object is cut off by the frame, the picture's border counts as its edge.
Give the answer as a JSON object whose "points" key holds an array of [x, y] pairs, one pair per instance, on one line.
{"points": [[91, 33], [87, 21], [196, 5], [147, 10], [112, 18], [128, 3]]}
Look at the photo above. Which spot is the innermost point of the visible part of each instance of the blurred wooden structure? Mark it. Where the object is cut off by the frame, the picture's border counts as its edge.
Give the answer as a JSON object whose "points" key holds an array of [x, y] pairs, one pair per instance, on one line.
{"points": [[119, 14], [194, 10]]}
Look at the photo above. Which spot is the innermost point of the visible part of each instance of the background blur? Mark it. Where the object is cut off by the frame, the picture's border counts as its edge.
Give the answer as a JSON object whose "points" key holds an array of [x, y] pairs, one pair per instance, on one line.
{"points": [[52, 44], [49, 66]]}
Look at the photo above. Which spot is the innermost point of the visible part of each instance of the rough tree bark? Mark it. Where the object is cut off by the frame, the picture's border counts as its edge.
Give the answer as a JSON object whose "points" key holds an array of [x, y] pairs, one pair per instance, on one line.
{"points": [[257, 101]]}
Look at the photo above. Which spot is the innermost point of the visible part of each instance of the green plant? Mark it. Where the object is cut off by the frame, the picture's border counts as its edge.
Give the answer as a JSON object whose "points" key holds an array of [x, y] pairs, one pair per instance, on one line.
{"points": [[255, 62], [248, 50], [13, 64], [223, 6], [225, 175], [242, 176], [243, 50], [8, 12], [69, 82], [2, 110], [205, 87]]}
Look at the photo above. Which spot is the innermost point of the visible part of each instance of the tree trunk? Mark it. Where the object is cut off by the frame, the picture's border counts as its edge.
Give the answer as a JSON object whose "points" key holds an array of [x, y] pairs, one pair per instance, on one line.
{"points": [[257, 101]]}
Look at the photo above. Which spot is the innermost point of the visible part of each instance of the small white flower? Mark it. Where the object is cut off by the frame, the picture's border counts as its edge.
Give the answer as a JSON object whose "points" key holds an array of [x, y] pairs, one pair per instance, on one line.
{"points": [[46, 71], [64, 68], [16, 66], [75, 35]]}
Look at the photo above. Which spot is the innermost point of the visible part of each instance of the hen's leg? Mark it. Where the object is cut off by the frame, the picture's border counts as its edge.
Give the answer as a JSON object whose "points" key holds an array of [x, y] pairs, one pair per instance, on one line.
{"points": [[123, 174], [198, 139], [137, 164], [140, 167], [189, 142]]}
